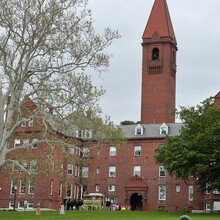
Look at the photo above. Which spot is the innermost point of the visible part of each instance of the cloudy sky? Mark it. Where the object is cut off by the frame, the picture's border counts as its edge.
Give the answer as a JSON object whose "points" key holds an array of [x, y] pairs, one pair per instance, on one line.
{"points": [[197, 28]]}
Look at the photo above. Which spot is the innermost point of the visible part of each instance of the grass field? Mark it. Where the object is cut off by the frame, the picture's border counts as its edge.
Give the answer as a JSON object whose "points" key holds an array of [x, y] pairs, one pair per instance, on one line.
{"points": [[102, 215]]}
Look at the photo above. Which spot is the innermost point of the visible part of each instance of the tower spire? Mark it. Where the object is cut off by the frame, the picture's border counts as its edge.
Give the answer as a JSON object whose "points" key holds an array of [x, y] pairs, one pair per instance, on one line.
{"points": [[159, 22]]}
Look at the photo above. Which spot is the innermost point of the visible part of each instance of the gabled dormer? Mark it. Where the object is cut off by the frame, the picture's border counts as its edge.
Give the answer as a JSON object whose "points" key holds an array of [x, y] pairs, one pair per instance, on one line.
{"points": [[164, 129], [139, 129]]}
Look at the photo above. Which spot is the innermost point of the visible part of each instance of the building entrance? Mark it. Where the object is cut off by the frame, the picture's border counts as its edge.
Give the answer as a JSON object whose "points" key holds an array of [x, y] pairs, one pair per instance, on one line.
{"points": [[136, 202]]}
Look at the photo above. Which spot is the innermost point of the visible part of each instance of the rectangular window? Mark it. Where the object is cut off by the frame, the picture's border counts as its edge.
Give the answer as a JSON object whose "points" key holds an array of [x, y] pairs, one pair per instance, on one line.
{"points": [[13, 186], [17, 142], [34, 143], [97, 188], [208, 188], [30, 205], [31, 186], [207, 205], [33, 165], [177, 188], [111, 188], [71, 149], [88, 134], [21, 204], [85, 151], [162, 192], [112, 151], [162, 171], [69, 190], [24, 166], [137, 170], [22, 186], [61, 189], [85, 172], [51, 187], [112, 171], [70, 169], [137, 151], [11, 205], [190, 193], [25, 142]]}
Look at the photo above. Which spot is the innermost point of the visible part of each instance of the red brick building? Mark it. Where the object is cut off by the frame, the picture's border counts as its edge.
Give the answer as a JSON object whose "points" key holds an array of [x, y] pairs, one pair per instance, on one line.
{"points": [[127, 175]]}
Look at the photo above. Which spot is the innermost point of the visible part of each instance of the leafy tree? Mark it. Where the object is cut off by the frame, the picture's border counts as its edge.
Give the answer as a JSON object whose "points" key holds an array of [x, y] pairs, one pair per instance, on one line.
{"points": [[196, 150], [127, 122], [47, 48]]}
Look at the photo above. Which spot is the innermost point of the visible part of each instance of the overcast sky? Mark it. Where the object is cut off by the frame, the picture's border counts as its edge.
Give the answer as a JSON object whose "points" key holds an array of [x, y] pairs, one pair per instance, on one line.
{"points": [[197, 28]]}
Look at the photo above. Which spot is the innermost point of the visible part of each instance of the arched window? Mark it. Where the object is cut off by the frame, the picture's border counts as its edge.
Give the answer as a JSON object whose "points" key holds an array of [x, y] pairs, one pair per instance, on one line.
{"points": [[155, 54]]}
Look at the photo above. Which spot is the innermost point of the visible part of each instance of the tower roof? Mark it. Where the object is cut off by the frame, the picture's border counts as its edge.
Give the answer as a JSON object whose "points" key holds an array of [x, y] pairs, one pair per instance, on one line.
{"points": [[159, 22]]}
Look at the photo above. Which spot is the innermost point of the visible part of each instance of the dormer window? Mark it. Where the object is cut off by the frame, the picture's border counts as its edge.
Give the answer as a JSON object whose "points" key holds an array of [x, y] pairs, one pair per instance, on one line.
{"points": [[155, 54], [139, 130], [164, 129]]}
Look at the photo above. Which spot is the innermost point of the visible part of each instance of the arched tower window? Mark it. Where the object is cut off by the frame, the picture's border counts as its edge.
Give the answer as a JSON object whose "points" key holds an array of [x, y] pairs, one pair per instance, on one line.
{"points": [[155, 54]]}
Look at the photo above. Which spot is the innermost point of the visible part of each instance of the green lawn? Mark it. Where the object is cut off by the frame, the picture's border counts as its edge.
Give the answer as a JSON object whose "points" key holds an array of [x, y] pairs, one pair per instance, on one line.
{"points": [[102, 215]]}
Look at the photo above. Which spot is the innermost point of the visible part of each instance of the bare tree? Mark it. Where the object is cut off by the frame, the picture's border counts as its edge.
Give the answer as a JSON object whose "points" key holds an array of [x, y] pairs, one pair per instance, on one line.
{"points": [[46, 48]]}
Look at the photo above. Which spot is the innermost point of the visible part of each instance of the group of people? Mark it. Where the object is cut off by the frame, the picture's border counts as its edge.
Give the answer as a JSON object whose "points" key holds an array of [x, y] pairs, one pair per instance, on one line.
{"points": [[114, 206]]}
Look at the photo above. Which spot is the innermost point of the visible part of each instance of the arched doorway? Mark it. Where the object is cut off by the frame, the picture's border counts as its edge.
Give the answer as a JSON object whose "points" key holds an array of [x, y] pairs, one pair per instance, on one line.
{"points": [[136, 202]]}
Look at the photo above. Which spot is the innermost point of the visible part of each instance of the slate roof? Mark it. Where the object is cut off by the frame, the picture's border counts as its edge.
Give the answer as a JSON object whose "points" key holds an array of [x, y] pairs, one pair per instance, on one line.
{"points": [[150, 130]]}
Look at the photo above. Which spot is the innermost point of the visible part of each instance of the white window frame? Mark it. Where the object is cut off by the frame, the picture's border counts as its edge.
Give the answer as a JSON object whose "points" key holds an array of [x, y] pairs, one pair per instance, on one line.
{"points": [[190, 193], [85, 151], [139, 130], [162, 171], [137, 150], [13, 184], [21, 204], [23, 124], [30, 205], [30, 123], [85, 172], [25, 142], [22, 189], [178, 188], [162, 192], [34, 143], [97, 188], [111, 188], [17, 142], [71, 150], [11, 205], [112, 151], [70, 169], [112, 171], [137, 170], [207, 205], [88, 134], [33, 165], [51, 186], [69, 188], [97, 170], [31, 187], [164, 129]]}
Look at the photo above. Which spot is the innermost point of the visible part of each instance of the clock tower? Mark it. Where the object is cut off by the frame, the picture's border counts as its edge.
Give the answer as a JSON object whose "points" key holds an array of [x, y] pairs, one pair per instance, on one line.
{"points": [[158, 67]]}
